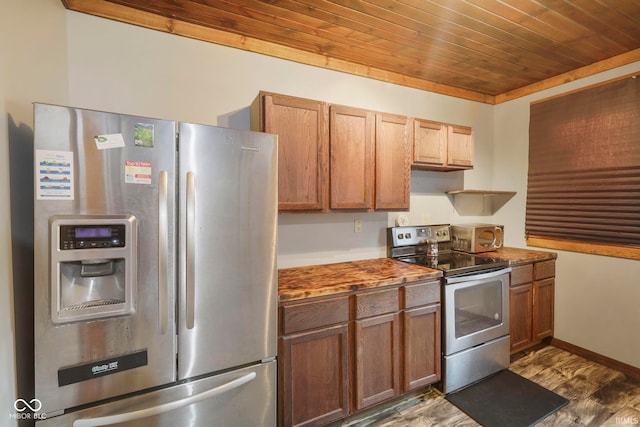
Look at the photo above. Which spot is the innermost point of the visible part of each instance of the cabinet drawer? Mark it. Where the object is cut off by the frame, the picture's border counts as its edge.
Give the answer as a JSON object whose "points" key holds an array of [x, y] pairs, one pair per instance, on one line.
{"points": [[311, 315], [374, 303], [421, 294], [544, 269], [521, 274]]}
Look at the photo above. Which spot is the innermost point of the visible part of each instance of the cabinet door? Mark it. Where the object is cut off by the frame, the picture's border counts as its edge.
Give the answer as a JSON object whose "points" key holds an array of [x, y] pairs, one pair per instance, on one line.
{"points": [[520, 312], [460, 146], [421, 347], [393, 161], [302, 127], [429, 143], [543, 306], [313, 377], [377, 360], [352, 133]]}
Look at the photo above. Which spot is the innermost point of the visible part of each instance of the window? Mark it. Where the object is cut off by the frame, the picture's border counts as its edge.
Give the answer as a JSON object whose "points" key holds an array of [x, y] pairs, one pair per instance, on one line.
{"points": [[583, 190]]}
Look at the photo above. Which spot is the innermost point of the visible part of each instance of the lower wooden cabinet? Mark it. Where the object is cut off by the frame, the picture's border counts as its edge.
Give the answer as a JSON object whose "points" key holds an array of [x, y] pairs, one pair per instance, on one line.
{"points": [[377, 360], [338, 356], [313, 377], [543, 306], [422, 354], [531, 304], [521, 316]]}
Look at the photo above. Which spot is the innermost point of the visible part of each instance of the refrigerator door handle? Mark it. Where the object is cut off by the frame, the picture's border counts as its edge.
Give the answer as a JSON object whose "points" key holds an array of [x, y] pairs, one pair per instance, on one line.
{"points": [[191, 246], [163, 249], [166, 407]]}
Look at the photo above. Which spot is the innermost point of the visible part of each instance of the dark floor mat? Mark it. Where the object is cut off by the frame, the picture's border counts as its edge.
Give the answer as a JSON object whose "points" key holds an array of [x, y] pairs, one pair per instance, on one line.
{"points": [[507, 399]]}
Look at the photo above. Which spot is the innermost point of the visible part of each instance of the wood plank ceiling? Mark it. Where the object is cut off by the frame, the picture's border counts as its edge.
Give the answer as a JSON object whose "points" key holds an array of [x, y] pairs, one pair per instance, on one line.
{"points": [[484, 50]]}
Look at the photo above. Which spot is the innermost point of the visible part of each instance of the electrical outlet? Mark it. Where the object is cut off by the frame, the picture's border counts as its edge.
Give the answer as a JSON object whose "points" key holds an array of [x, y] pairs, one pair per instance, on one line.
{"points": [[357, 225]]}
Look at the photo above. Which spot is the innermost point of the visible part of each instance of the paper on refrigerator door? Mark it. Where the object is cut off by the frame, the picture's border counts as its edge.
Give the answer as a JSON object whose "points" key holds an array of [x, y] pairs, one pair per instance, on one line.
{"points": [[137, 172], [54, 175]]}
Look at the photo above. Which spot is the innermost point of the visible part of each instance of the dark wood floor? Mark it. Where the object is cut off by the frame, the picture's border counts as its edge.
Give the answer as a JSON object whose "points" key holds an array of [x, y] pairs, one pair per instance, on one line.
{"points": [[599, 396]]}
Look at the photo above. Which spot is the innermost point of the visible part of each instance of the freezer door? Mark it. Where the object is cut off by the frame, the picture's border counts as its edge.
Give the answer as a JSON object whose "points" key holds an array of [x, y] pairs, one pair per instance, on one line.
{"points": [[120, 167], [227, 278], [246, 397]]}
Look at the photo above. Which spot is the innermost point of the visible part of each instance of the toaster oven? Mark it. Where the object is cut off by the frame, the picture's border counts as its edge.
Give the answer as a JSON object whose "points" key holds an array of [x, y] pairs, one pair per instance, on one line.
{"points": [[475, 238]]}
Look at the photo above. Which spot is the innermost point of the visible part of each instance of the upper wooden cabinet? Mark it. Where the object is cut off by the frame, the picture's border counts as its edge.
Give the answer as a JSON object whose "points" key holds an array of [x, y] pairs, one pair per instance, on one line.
{"points": [[393, 161], [352, 151], [370, 159], [429, 143], [333, 157], [441, 146], [302, 126]]}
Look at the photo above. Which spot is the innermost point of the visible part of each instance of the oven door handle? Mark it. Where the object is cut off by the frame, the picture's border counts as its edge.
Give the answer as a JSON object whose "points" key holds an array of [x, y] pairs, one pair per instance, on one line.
{"points": [[476, 276]]}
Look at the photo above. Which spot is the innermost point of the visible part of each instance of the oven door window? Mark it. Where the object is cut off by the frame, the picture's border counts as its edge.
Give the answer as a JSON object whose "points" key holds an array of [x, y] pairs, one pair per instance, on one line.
{"points": [[478, 308]]}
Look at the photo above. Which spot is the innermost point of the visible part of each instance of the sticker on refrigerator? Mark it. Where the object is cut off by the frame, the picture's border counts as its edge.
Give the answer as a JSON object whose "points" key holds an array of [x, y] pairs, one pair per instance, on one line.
{"points": [[143, 135], [54, 175], [114, 140], [137, 172]]}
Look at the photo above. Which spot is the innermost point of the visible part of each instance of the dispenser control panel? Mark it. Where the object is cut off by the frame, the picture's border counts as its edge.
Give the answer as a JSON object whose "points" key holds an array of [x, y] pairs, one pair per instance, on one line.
{"points": [[92, 236]]}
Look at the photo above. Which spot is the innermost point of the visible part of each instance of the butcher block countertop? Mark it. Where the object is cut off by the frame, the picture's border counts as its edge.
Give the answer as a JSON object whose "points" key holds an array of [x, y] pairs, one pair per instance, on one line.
{"points": [[344, 277], [331, 279], [517, 256]]}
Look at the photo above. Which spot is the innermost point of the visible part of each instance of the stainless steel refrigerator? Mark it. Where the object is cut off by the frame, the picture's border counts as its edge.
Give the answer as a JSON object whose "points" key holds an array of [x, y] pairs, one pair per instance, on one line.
{"points": [[155, 272]]}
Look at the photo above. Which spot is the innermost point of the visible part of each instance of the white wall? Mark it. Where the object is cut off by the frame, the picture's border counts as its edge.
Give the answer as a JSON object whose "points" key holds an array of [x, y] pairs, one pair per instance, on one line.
{"points": [[7, 362], [597, 297]]}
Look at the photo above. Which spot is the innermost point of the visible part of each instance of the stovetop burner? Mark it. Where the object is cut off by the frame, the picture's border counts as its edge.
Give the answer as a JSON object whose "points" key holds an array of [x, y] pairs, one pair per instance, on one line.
{"points": [[456, 263]]}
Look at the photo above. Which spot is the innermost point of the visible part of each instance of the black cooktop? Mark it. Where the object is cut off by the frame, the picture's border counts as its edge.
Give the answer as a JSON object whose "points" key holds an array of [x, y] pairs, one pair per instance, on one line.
{"points": [[456, 263]]}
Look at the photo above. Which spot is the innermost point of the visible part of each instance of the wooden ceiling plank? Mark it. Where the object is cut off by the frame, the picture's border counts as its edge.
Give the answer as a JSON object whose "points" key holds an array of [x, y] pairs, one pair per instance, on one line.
{"points": [[518, 38], [531, 16], [476, 37], [474, 46], [626, 8], [598, 18], [470, 48], [566, 26], [406, 40]]}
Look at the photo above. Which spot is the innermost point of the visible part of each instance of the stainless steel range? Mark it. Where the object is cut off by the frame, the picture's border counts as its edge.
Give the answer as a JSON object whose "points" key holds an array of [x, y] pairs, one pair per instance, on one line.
{"points": [[475, 300]]}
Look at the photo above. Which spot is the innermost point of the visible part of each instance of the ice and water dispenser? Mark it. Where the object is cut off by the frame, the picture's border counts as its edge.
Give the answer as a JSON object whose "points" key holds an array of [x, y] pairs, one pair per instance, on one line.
{"points": [[93, 266]]}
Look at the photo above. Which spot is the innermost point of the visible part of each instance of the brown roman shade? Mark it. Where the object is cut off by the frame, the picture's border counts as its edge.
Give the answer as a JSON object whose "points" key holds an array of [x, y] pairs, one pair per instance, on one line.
{"points": [[584, 166]]}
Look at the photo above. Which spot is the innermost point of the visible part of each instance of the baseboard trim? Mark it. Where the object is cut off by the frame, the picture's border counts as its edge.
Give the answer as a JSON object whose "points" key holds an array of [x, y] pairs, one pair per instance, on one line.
{"points": [[628, 370]]}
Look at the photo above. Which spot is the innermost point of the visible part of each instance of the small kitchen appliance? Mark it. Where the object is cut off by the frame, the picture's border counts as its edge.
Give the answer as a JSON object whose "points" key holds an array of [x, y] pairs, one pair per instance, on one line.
{"points": [[475, 303], [477, 238], [155, 295]]}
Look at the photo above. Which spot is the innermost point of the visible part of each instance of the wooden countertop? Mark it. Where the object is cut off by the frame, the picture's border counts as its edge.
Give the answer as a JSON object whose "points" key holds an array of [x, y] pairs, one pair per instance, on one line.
{"points": [[517, 256], [344, 277]]}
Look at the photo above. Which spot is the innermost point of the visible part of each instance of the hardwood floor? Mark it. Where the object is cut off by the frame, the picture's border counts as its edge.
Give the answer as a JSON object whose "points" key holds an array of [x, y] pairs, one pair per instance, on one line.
{"points": [[599, 396]]}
